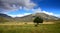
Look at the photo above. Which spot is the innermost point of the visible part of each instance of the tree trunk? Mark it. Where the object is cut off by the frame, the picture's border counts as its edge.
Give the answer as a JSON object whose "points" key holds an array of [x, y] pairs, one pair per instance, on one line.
{"points": [[37, 25]]}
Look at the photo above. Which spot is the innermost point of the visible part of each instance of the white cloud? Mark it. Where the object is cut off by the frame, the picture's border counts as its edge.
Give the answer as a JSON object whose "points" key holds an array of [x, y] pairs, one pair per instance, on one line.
{"points": [[39, 10], [49, 13], [26, 8], [16, 4], [20, 15], [57, 15]]}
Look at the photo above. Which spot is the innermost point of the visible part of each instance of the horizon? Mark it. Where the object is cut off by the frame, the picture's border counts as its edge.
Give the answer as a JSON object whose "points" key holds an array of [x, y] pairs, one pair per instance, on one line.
{"points": [[19, 8]]}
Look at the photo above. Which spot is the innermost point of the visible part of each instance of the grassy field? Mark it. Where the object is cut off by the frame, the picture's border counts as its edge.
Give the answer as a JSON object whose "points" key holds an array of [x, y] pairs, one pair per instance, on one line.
{"points": [[30, 28], [22, 23]]}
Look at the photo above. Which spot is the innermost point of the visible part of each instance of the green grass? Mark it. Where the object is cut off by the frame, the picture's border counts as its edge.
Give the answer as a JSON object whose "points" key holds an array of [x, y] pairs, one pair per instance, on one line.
{"points": [[30, 28]]}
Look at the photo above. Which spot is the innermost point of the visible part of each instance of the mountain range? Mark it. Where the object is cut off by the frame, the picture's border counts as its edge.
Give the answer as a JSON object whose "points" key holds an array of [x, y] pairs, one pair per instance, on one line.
{"points": [[30, 18]]}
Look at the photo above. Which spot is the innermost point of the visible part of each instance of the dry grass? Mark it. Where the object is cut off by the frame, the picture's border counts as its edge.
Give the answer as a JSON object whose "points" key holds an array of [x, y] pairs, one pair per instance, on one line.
{"points": [[22, 27], [22, 23], [30, 28]]}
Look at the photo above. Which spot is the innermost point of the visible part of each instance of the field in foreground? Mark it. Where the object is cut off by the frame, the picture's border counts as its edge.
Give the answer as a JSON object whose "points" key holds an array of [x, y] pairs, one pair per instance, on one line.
{"points": [[30, 28]]}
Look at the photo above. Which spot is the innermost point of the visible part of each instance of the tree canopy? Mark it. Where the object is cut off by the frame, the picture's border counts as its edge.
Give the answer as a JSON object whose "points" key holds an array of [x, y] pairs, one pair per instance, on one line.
{"points": [[38, 20]]}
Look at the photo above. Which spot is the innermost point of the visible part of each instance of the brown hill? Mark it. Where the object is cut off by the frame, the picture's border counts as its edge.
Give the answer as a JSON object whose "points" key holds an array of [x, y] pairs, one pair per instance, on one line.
{"points": [[29, 18]]}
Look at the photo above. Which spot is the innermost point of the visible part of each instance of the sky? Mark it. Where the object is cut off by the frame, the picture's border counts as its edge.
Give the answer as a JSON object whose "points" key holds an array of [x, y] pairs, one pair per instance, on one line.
{"points": [[19, 8]]}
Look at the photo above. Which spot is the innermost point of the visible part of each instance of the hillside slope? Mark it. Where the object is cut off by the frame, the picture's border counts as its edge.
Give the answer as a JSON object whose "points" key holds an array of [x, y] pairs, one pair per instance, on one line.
{"points": [[29, 18]]}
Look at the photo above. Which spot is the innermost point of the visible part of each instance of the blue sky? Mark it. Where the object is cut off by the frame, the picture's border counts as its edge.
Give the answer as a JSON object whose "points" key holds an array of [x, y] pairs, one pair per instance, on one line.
{"points": [[19, 8], [49, 5]]}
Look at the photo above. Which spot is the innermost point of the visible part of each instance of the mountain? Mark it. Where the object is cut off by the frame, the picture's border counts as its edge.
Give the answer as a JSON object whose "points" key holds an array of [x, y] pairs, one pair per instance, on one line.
{"points": [[6, 17], [30, 18]]}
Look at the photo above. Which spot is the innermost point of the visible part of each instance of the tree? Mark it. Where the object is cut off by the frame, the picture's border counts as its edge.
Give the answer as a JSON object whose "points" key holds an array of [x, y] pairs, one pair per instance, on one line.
{"points": [[38, 20]]}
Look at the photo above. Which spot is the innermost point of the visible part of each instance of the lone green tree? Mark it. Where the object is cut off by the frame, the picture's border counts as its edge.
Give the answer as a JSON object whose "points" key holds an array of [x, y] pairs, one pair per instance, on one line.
{"points": [[38, 20]]}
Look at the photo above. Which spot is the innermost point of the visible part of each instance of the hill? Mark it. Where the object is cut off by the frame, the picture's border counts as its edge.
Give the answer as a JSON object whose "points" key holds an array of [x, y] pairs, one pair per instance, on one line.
{"points": [[5, 17], [29, 18]]}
